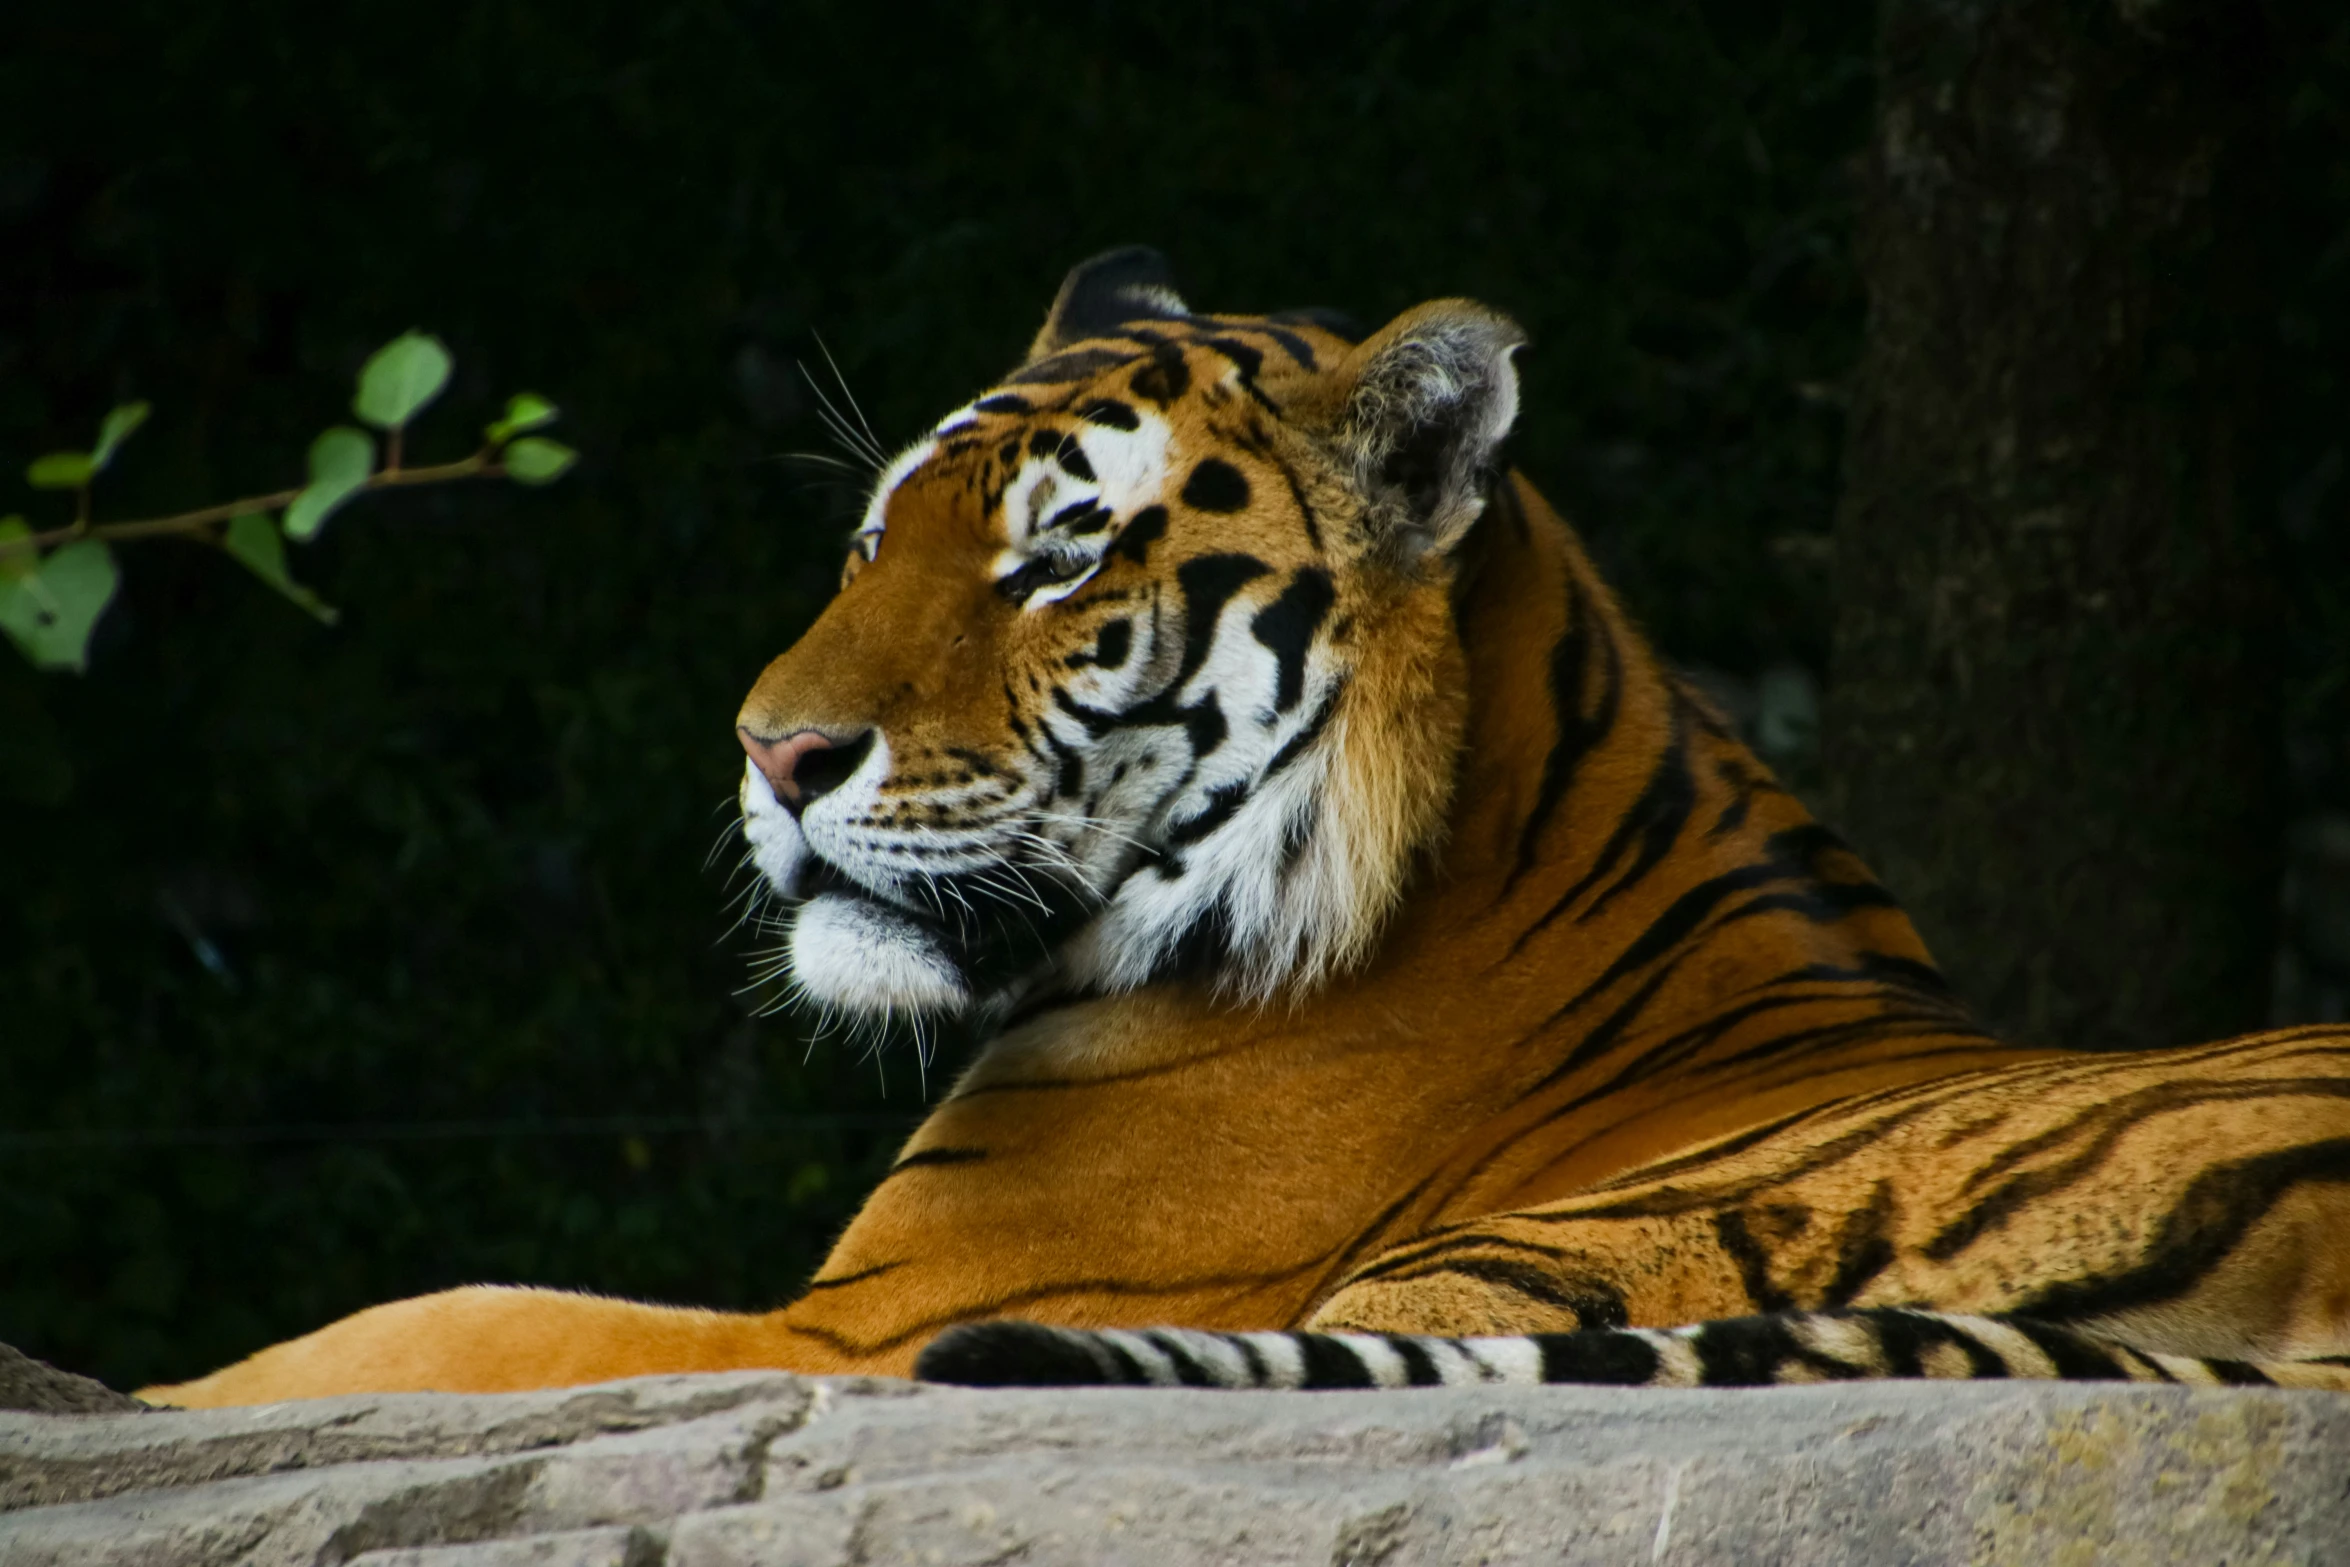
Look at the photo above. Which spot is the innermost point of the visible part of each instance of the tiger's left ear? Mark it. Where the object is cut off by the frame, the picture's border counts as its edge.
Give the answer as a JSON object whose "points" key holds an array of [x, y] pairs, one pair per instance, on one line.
{"points": [[1419, 411], [1102, 295]]}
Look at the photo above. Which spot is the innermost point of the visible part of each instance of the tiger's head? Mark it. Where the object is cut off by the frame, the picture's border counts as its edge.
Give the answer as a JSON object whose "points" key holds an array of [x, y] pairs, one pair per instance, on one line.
{"points": [[1142, 663]]}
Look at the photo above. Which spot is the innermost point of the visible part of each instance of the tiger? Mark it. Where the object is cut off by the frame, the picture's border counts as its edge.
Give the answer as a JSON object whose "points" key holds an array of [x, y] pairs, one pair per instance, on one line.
{"points": [[1387, 970]]}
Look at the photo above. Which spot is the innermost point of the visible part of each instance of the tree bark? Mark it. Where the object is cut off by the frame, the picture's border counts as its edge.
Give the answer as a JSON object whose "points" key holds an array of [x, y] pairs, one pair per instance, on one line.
{"points": [[2053, 724]]}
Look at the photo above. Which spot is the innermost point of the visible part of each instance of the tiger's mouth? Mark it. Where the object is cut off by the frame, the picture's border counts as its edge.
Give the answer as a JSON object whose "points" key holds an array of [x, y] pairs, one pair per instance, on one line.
{"points": [[946, 944], [898, 943]]}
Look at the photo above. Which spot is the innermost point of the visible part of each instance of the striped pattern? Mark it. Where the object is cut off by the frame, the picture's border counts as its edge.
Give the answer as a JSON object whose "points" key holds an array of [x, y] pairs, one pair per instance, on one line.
{"points": [[1764, 1351], [1676, 1056], [2165, 1183], [1202, 658]]}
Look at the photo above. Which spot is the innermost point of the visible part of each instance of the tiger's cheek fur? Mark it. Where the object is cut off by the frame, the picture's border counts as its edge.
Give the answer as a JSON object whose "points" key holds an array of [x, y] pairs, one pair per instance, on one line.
{"points": [[1413, 684]]}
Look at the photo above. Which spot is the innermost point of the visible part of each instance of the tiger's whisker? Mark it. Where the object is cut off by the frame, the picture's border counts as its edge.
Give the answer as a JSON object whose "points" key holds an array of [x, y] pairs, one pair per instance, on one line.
{"points": [[873, 441]]}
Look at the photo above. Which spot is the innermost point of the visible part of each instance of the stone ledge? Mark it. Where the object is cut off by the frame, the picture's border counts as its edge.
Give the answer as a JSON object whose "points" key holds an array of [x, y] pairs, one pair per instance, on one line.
{"points": [[774, 1469], [26, 1383]]}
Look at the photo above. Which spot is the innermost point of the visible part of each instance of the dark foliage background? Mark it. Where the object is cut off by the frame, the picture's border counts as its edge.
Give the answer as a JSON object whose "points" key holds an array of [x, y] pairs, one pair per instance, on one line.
{"points": [[447, 863]]}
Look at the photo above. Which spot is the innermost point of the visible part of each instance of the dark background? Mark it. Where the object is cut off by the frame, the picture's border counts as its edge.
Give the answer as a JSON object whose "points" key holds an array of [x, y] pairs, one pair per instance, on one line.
{"points": [[337, 965]]}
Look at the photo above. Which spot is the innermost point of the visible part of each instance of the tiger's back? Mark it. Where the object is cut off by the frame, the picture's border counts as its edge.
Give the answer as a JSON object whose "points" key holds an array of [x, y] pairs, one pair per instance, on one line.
{"points": [[1377, 937]]}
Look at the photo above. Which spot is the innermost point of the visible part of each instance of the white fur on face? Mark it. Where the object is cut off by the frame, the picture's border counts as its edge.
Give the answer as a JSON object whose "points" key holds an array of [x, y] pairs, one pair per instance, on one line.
{"points": [[1130, 472], [1272, 871], [778, 849], [852, 954]]}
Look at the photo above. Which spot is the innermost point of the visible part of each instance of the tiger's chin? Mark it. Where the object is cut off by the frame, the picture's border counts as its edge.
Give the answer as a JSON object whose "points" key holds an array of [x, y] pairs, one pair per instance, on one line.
{"points": [[851, 954]]}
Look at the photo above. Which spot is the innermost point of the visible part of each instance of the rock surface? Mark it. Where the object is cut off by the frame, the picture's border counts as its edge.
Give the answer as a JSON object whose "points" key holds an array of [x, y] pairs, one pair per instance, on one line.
{"points": [[26, 1383], [714, 1471]]}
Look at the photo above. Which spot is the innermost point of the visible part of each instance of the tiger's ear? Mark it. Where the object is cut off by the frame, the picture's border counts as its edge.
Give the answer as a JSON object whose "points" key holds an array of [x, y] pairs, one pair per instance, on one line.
{"points": [[1101, 295], [1418, 411]]}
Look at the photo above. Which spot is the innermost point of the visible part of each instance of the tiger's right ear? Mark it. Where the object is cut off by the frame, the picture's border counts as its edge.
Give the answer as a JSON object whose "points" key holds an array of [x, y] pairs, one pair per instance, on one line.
{"points": [[1102, 295], [1419, 411]]}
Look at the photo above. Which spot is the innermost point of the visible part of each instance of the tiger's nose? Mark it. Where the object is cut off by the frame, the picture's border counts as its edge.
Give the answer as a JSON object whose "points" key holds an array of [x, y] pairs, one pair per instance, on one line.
{"points": [[805, 766]]}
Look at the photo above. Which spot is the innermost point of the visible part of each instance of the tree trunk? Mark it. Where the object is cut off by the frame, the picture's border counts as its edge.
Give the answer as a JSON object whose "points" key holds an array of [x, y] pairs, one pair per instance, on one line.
{"points": [[2053, 724]]}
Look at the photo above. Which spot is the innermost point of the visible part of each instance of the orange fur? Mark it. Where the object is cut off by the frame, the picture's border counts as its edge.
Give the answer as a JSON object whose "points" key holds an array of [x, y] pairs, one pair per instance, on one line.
{"points": [[1612, 1016]]}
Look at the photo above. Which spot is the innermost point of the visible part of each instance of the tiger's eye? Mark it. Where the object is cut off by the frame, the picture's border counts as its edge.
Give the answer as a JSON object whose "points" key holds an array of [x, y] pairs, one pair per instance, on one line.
{"points": [[1043, 571]]}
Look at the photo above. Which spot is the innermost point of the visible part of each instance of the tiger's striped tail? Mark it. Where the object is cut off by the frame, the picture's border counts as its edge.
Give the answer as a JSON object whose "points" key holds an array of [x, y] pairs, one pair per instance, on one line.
{"points": [[1764, 1351]]}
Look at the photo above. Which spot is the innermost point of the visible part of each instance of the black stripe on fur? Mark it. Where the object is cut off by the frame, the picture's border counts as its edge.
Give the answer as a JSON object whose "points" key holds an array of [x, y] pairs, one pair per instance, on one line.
{"points": [[1017, 1354]]}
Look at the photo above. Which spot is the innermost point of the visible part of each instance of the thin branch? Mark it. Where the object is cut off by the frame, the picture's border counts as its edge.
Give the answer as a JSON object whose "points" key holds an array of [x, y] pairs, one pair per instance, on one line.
{"points": [[481, 465]]}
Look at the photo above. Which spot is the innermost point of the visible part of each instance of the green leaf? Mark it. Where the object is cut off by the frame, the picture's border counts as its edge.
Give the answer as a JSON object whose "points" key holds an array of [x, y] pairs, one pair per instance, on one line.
{"points": [[253, 538], [61, 471], [524, 411], [340, 461], [399, 379], [51, 612], [115, 430], [536, 460], [15, 563]]}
